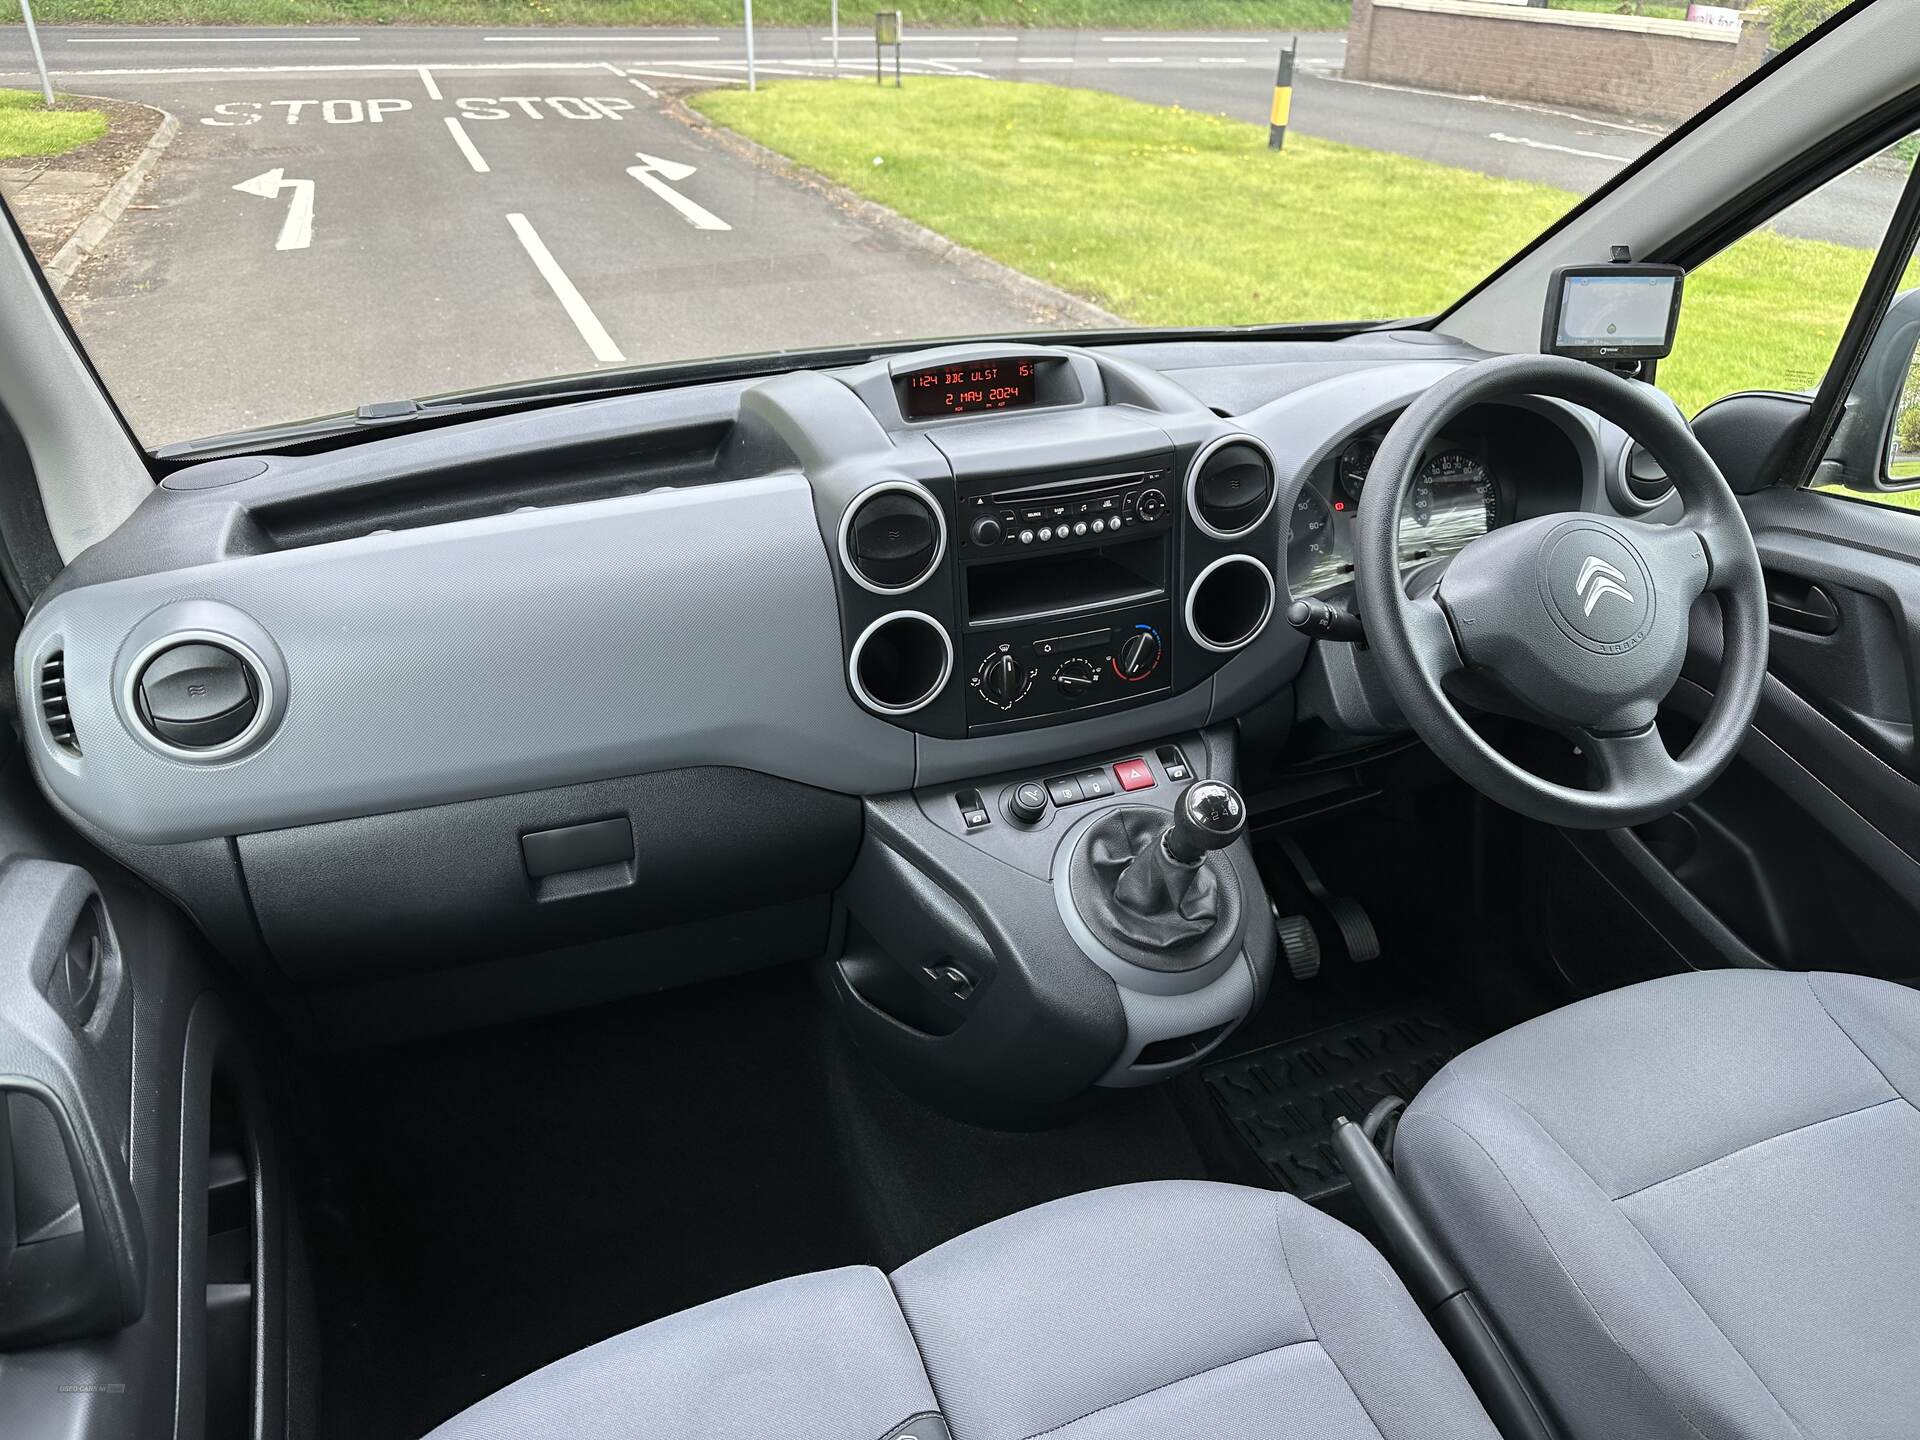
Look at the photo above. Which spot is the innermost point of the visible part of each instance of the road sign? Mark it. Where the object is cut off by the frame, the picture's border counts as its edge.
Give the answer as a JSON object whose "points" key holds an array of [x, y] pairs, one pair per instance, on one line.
{"points": [[654, 173], [297, 232], [887, 30]]}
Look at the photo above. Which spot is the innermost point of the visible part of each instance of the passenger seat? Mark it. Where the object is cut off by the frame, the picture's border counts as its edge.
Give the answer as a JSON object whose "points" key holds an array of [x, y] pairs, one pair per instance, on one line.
{"points": [[1172, 1308]]}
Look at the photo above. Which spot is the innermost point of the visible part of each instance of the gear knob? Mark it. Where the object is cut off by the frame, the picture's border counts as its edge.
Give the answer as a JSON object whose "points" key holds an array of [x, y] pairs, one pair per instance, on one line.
{"points": [[1207, 815]]}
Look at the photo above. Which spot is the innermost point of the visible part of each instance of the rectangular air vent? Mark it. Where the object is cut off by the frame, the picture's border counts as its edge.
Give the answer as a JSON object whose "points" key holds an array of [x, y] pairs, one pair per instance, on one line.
{"points": [[53, 702]]}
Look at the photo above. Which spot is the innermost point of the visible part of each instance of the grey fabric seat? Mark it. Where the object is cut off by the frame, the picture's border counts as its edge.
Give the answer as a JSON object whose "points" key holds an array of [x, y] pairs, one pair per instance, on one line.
{"points": [[1167, 1309], [1694, 1204]]}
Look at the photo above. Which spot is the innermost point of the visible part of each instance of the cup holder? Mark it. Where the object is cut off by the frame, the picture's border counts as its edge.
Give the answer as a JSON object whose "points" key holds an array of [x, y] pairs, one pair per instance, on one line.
{"points": [[900, 663], [1229, 602]]}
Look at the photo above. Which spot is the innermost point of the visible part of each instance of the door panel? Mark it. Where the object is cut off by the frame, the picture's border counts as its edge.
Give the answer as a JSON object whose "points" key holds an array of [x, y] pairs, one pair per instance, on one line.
{"points": [[1806, 854]]}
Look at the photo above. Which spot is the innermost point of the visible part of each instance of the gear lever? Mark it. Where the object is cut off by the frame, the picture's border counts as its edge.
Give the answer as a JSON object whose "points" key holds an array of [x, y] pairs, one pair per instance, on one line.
{"points": [[1153, 886], [1207, 815]]}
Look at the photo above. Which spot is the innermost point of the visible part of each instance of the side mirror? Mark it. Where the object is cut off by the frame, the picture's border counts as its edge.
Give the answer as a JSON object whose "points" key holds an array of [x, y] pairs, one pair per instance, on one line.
{"points": [[1876, 447]]}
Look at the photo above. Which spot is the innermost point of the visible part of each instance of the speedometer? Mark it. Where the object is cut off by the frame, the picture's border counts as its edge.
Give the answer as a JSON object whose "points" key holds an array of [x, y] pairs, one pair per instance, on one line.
{"points": [[1314, 562], [1453, 501]]}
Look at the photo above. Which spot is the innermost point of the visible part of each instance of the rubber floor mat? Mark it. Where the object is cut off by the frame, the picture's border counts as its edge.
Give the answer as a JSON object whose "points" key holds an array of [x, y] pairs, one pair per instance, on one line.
{"points": [[1282, 1100]]}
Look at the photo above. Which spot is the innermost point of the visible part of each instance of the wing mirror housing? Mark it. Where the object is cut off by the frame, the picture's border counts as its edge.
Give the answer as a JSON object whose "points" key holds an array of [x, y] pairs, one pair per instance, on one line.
{"points": [[1876, 448]]}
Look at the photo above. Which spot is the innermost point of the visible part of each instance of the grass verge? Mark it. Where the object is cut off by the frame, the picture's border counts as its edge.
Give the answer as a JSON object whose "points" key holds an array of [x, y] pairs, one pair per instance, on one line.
{"points": [[1065, 14], [27, 129], [1165, 216], [1169, 217]]}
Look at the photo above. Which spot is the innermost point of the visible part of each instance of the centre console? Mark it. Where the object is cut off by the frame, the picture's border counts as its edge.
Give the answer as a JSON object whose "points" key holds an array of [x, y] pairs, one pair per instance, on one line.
{"points": [[1042, 547]]}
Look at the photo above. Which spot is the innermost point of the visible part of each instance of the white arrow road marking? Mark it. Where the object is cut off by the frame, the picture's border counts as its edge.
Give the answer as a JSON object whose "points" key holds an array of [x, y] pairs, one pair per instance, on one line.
{"points": [[297, 232], [649, 172], [578, 311], [1562, 149]]}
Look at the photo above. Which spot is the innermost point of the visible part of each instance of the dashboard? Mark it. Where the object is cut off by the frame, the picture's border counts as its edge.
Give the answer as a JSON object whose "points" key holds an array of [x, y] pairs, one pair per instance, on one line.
{"points": [[913, 572]]}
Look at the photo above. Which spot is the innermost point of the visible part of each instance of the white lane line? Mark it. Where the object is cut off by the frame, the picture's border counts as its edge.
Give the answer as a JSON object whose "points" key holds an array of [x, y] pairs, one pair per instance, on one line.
{"points": [[601, 39], [711, 79], [459, 133], [426, 79], [649, 172], [1496, 103], [1044, 60], [1561, 149], [1179, 40], [1223, 59], [212, 40], [1136, 59], [644, 88], [846, 40], [150, 70], [578, 311]]}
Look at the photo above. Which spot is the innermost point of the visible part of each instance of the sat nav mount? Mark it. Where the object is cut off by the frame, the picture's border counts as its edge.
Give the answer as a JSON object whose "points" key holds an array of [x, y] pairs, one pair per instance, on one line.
{"points": [[1618, 315]]}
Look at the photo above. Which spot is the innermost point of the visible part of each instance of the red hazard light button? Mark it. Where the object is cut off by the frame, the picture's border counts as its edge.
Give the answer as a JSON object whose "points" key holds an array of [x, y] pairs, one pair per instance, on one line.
{"points": [[1133, 774]]}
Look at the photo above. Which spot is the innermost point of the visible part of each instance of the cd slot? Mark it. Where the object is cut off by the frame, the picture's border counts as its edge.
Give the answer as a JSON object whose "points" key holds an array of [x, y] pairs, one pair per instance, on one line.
{"points": [[1101, 577]]}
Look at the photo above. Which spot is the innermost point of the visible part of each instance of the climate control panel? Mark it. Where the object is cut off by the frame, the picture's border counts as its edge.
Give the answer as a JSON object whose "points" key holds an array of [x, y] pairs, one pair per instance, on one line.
{"points": [[1017, 675]]}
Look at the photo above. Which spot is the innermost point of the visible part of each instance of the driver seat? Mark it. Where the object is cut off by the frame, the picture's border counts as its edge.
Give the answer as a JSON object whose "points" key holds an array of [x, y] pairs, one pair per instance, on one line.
{"points": [[1694, 1204]]}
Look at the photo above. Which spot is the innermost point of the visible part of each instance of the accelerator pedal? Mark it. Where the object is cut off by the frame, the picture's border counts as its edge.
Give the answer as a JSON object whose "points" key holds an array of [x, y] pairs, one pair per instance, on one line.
{"points": [[1350, 917]]}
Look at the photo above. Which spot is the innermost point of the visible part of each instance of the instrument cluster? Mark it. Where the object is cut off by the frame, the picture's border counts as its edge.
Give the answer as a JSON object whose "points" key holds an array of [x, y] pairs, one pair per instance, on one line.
{"points": [[1454, 499]]}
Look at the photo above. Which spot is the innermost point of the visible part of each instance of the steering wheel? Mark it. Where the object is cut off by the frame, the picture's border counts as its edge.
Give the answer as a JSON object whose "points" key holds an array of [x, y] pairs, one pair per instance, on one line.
{"points": [[1582, 618]]}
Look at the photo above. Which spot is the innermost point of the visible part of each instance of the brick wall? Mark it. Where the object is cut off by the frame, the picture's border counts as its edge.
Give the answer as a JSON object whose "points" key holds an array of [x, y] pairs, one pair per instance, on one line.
{"points": [[1662, 70]]}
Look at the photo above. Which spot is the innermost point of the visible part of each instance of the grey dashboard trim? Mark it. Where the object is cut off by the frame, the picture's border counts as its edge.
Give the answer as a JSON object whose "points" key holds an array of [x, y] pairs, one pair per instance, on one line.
{"points": [[410, 684]]}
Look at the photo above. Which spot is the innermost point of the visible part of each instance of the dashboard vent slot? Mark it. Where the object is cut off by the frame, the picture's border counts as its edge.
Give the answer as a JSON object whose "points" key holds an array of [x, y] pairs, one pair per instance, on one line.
{"points": [[1230, 488], [893, 537], [53, 702]]}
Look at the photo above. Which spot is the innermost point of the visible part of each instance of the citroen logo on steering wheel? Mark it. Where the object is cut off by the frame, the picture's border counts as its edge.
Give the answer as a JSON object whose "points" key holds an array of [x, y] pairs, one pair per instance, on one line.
{"points": [[1599, 581]]}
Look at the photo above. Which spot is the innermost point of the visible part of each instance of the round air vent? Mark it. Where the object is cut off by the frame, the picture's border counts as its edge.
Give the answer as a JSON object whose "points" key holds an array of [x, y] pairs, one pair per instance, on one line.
{"points": [[1229, 602], [900, 663], [1643, 481], [199, 694], [892, 537], [1230, 486]]}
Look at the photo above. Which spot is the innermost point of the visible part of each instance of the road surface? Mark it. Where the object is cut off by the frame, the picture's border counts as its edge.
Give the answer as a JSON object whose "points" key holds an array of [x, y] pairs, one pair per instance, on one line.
{"points": [[350, 216]]}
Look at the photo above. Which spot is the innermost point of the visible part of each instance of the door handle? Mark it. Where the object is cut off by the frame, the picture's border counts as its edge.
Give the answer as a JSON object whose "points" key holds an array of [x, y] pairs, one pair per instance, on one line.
{"points": [[1795, 603]]}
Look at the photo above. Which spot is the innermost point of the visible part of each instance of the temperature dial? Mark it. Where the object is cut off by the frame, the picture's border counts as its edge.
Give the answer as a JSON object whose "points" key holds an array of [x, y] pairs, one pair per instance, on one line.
{"points": [[1138, 655], [1076, 677], [1002, 680]]}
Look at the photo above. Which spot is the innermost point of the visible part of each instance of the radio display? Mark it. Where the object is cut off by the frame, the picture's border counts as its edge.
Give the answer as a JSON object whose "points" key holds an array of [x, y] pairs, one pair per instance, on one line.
{"points": [[963, 389]]}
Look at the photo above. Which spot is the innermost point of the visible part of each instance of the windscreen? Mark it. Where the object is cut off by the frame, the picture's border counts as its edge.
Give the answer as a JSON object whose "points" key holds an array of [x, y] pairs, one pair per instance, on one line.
{"points": [[257, 212]]}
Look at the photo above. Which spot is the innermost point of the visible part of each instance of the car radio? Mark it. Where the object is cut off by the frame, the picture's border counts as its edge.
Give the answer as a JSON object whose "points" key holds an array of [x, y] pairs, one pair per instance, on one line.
{"points": [[1082, 509], [1066, 596]]}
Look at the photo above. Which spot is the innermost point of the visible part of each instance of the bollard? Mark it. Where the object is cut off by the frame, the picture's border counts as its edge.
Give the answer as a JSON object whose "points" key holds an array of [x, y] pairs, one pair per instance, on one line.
{"points": [[1282, 98]]}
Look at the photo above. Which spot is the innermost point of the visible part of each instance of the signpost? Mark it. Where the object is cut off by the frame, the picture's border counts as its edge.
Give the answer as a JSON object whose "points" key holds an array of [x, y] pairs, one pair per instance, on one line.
{"points": [[887, 30], [836, 39], [752, 81], [39, 60]]}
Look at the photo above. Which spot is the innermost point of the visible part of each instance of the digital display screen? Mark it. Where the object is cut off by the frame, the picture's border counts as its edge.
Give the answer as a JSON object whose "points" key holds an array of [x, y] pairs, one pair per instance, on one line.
{"points": [[963, 389], [1601, 312]]}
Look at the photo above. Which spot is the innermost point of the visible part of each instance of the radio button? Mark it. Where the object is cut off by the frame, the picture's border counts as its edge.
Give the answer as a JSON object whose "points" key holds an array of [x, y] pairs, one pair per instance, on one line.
{"points": [[1046, 532], [1079, 527], [987, 531], [1152, 506], [1026, 537], [1098, 526]]}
